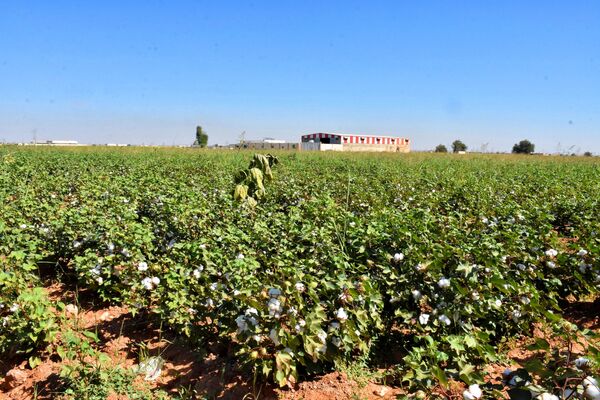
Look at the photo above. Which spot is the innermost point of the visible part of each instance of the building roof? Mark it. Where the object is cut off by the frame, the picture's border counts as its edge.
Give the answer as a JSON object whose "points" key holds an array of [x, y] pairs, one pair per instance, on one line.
{"points": [[351, 134]]}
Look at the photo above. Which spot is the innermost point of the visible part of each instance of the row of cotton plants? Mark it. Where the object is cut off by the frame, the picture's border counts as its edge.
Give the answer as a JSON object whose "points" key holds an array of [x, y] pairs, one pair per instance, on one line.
{"points": [[439, 259]]}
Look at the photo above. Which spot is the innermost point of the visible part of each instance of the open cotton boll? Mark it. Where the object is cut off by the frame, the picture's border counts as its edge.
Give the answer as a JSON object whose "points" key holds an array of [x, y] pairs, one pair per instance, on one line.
{"points": [[341, 315], [472, 393], [142, 266], [591, 392], [475, 390], [581, 362], [468, 395], [589, 381], [444, 283], [398, 257], [548, 396], [551, 253]]}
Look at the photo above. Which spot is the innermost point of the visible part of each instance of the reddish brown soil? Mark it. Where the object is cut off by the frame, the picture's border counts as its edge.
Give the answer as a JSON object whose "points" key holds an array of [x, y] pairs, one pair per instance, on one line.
{"points": [[211, 373]]}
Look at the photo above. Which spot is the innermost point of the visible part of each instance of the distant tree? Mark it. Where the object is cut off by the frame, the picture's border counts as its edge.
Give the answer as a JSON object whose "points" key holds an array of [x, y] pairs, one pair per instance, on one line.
{"points": [[201, 137], [587, 154], [440, 148], [523, 147], [457, 146]]}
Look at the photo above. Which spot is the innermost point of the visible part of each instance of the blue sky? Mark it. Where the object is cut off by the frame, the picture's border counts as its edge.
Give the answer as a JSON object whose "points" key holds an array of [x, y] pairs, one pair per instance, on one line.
{"points": [[487, 72]]}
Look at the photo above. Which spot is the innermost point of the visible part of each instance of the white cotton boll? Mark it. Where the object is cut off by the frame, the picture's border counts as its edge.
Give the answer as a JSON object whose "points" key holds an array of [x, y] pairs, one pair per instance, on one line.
{"points": [[147, 283], [416, 295], [300, 287], [251, 311], [322, 335], [582, 253], [341, 315], [551, 253], [581, 362], [420, 267], [76, 244], [209, 303], [196, 273], [240, 256], [336, 341], [23, 226], [521, 267], [444, 283], [475, 391], [100, 280], [475, 296], [142, 266], [589, 381], [155, 280], [592, 392], [274, 307], [468, 395], [423, 319], [551, 264], [498, 303], [14, 308], [515, 315], [548, 396], [398, 257], [444, 319], [525, 300], [274, 292], [241, 323]]}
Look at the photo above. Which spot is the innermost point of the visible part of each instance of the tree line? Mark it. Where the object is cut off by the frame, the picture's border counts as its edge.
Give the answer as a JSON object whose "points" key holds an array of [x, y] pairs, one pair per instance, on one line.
{"points": [[523, 147]]}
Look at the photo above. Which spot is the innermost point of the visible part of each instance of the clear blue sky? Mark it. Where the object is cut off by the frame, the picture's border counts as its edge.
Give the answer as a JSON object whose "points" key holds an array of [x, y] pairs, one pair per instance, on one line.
{"points": [[149, 71]]}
